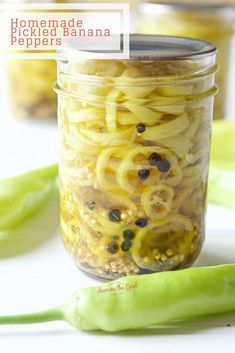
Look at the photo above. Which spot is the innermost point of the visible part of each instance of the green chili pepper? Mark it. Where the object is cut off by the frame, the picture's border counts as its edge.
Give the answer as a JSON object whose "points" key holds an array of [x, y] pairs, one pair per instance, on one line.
{"points": [[221, 189], [136, 302], [223, 140], [22, 196]]}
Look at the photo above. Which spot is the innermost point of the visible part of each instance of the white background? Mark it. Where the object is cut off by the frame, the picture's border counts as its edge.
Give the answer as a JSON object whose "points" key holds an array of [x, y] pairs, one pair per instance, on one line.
{"points": [[38, 273]]}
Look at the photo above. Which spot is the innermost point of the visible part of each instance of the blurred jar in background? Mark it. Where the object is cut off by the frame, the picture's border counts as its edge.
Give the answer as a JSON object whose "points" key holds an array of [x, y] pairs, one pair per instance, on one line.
{"points": [[30, 88], [214, 23]]}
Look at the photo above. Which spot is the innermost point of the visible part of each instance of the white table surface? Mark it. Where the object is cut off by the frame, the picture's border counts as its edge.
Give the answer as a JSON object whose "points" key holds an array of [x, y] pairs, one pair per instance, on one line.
{"points": [[40, 274]]}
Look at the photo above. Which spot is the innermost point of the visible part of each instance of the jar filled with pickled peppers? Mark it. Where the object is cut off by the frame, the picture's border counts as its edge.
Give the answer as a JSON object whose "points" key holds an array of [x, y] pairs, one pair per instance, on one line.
{"points": [[203, 20], [135, 141]]}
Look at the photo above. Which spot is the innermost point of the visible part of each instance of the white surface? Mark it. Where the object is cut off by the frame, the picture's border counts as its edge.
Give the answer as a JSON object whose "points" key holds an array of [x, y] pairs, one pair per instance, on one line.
{"points": [[40, 274]]}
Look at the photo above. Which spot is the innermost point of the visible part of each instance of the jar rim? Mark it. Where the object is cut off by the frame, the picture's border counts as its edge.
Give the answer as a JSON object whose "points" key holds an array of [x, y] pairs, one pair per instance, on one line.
{"points": [[192, 98], [145, 47]]}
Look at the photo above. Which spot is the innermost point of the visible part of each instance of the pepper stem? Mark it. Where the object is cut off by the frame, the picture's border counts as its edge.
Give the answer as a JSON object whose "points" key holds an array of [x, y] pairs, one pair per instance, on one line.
{"points": [[53, 314]]}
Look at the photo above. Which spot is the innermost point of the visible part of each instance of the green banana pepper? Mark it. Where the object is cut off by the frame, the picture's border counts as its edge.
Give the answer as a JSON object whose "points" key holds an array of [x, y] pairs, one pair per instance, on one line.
{"points": [[23, 196], [137, 302], [221, 189], [223, 141]]}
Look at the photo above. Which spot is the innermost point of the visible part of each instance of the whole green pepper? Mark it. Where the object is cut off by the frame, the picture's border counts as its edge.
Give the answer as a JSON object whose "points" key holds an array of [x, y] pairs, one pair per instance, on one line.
{"points": [[221, 189], [223, 141], [136, 302], [22, 196]]}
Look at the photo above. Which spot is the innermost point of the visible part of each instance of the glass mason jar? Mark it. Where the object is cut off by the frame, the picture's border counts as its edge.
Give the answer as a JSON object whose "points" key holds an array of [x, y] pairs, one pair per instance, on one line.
{"points": [[135, 140], [214, 23]]}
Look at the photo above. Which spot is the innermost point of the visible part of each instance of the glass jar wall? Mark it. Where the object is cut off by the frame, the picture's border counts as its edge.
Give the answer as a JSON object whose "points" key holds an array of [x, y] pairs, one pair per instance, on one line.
{"points": [[210, 22], [135, 140]]}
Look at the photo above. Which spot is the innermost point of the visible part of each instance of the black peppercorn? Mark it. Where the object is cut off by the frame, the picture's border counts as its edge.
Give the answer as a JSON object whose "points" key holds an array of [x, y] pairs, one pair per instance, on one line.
{"points": [[163, 166], [140, 128], [112, 247], [143, 174], [154, 158], [128, 234], [114, 216], [141, 222], [126, 245], [91, 205]]}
